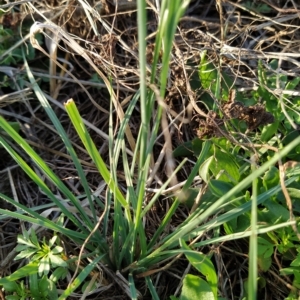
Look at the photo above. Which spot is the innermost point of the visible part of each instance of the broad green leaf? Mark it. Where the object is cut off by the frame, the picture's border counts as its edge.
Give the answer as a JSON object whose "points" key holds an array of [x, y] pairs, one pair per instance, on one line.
{"points": [[52, 290], [184, 150], [204, 169], [223, 143], [25, 253], [271, 178], [190, 196], [44, 266], [219, 188], [269, 131], [265, 248], [44, 286], [197, 146], [296, 273], [34, 286], [292, 84], [9, 286], [231, 226], [280, 213], [203, 264], [13, 297], [205, 201], [57, 250], [58, 273], [34, 238], [25, 241], [57, 260], [290, 137], [208, 74], [225, 164], [195, 288], [52, 241], [296, 262], [264, 263]]}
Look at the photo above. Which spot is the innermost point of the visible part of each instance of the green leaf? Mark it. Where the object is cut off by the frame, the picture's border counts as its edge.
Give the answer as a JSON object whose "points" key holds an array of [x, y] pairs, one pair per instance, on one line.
{"points": [[231, 226], [57, 261], [80, 278], [203, 264], [225, 164], [30, 268], [279, 212], [91, 148], [52, 242], [204, 169], [290, 271], [12, 297], [44, 286], [57, 250], [34, 286], [269, 131], [197, 146], [25, 241], [58, 273], [25, 253], [264, 264], [183, 150], [34, 239], [209, 75], [296, 262], [292, 84], [290, 137], [9, 286], [52, 292], [195, 288], [271, 178], [190, 196], [219, 188], [265, 248], [44, 266]]}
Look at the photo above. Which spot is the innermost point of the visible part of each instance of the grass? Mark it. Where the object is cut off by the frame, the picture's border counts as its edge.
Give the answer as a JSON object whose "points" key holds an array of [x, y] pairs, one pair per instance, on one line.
{"points": [[109, 202]]}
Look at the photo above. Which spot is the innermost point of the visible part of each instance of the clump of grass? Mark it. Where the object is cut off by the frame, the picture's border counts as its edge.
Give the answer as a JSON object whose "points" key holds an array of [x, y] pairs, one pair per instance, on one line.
{"points": [[96, 238]]}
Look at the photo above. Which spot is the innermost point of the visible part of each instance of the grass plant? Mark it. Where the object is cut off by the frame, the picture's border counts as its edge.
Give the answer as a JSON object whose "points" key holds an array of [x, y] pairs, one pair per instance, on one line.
{"points": [[87, 239]]}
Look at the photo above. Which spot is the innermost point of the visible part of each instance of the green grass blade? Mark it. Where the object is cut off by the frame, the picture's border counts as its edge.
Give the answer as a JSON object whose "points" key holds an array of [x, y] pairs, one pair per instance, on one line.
{"points": [[151, 288], [200, 160], [41, 221], [48, 109], [92, 150], [132, 288], [43, 167], [185, 230], [80, 278], [253, 271]]}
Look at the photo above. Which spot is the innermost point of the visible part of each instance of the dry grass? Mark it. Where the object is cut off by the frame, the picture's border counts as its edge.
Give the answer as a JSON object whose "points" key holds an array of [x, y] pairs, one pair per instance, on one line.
{"points": [[235, 39]]}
